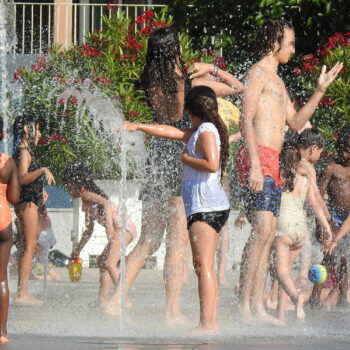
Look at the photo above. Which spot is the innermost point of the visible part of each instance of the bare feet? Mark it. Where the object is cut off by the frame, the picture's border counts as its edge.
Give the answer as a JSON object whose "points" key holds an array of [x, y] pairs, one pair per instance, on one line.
{"points": [[201, 330], [246, 315], [27, 299], [111, 309], [272, 305], [175, 320], [4, 339], [300, 314], [262, 317]]}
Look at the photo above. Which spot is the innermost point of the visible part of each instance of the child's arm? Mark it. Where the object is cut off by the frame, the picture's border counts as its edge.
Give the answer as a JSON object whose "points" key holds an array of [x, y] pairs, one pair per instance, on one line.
{"points": [[160, 130], [26, 177], [89, 227], [206, 145], [230, 85], [342, 232], [297, 119], [319, 213], [235, 137], [326, 177], [12, 192]]}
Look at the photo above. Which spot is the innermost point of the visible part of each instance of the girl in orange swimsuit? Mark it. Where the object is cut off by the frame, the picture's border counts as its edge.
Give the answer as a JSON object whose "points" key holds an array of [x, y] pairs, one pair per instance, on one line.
{"points": [[97, 207], [9, 192], [30, 207]]}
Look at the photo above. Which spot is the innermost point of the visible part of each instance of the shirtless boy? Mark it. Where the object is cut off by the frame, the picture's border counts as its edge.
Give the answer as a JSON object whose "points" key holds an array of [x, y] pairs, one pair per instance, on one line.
{"points": [[336, 183], [266, 109]]}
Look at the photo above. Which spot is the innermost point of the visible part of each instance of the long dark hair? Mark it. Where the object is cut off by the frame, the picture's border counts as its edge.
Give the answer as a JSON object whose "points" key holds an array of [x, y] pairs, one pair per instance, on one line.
{"points": [[270, 33], [1, 127], [163, 56], [25, 120], [201, 101], [78, 175], [289, 161]]}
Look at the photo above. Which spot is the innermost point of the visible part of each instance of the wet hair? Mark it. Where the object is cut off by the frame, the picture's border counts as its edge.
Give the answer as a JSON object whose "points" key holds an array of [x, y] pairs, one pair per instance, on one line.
{"points": [[289, 160], [201, 101], [78, 175], [311, 137], [162, 58], [270, 33], [25, 120], [343, 139]]}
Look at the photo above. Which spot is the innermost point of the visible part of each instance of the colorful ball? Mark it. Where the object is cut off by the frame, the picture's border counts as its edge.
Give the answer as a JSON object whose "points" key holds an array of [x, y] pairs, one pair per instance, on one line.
{"points": [[229, 113], [318, 274]]}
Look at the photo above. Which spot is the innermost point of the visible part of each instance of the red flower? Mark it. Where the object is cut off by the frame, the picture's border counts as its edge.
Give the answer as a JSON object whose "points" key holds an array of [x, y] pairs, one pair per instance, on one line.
{"points": [[55, 137], [108, 7], [196, 60], [308, 67], [134, 45], [90, 51], [140, 19], [147, 30], [133, 113], [220, 62], [18, 74], [327, 102], [61, 101], [130, 38], [159, 24], [127, 57], [149, 14], [297, 71], [103, 80]]}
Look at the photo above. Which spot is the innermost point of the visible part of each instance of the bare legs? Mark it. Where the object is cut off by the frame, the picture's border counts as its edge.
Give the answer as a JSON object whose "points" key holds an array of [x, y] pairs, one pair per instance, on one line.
{"points": [[285, 257], [254, 265], [204, 241], [5, 248], [223, 247], [155, 218], [29, 222], [175, 259]]}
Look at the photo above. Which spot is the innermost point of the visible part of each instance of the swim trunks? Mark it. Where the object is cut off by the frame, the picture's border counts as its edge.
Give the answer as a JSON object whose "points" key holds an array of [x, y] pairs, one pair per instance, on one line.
{"points": [[215, 219], [269, 163]]}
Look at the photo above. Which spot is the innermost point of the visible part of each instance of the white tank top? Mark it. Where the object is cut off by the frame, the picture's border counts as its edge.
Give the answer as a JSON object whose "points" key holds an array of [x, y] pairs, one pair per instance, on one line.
{"points": [[202, 191]]}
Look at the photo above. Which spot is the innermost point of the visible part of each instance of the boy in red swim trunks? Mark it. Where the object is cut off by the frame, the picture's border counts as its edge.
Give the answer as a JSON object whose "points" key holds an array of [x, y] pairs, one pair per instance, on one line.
{"points": [[266, 110]]}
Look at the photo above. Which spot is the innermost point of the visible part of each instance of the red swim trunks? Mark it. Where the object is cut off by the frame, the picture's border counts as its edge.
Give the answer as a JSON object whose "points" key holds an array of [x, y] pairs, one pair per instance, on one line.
{"points": [[5, 212], [269, 162]]}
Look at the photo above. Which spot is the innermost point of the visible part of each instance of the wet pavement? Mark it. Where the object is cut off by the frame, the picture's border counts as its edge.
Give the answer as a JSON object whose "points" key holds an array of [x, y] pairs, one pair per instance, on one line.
{"points": [[69, 319]]}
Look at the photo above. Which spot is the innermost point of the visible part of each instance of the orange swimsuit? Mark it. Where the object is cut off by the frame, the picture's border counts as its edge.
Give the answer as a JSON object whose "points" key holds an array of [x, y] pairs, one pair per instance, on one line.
{"points": [[5, 212], [269, 163]]}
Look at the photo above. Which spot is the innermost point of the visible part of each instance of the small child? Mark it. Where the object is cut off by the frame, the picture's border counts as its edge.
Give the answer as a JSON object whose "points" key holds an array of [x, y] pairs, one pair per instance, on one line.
{"points": [[292, 231], [9, 192], [206, 204], [336, 184], [29, 209], [97, 207]]}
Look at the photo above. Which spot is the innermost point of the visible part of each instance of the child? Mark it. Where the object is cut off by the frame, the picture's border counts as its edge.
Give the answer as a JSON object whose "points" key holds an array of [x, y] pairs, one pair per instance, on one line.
{"points": [[98, 207], [336, 183], [206, 204], [292, 231], [30, 207], [9, 192]]}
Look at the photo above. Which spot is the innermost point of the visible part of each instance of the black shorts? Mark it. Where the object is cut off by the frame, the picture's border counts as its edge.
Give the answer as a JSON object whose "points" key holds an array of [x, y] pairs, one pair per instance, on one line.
{"points": [[215, 219]]}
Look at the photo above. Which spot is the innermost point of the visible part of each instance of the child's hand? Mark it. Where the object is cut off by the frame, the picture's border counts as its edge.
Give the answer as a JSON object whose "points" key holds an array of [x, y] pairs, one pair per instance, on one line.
{"points": [[240, 222], [199, 69], [184, 154], [45, 196], [327, 236], [128, 126], [328, 250], [49, 177], [325, 79]]}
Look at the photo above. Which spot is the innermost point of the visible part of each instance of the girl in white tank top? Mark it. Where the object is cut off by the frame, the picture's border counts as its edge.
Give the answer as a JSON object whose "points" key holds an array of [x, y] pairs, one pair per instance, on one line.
{"points": [[206, 204]]}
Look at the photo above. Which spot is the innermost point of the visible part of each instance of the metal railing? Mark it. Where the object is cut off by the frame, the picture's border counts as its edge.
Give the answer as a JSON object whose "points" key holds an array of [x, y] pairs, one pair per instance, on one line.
{"points": [[39, 25]]}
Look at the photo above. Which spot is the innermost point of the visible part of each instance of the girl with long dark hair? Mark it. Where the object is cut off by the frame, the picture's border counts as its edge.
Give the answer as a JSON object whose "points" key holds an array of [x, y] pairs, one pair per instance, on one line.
{"points": [[206, 204], [31, 207]]}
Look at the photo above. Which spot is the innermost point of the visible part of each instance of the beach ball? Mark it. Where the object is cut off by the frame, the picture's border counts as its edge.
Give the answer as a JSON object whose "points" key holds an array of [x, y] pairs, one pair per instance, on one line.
{"points": [[318, 274], [229, 113]]}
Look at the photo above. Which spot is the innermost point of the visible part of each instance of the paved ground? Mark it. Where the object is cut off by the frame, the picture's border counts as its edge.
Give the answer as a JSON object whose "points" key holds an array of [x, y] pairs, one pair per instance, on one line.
{"points": [[70, 320]]}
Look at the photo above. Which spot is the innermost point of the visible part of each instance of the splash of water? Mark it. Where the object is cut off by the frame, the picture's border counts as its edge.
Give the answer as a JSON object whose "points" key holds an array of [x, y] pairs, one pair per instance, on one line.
{"points": [[7, 43]]}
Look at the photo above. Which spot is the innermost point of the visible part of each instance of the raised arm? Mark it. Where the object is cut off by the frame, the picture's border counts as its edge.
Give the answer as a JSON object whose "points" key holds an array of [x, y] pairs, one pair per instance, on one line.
{"points": [[202, 74], [206, 145], [297, 119], [160, 130], [253, 88]]}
